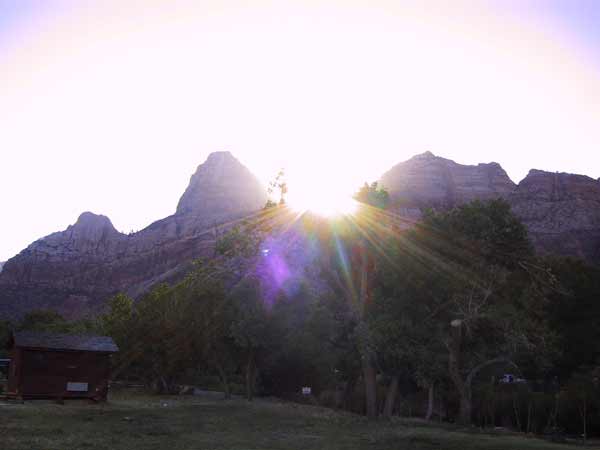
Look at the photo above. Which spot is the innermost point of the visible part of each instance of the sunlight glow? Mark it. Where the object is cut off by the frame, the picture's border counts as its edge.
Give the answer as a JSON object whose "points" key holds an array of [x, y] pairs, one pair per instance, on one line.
{"points": [[335, 92], [322, 203]]}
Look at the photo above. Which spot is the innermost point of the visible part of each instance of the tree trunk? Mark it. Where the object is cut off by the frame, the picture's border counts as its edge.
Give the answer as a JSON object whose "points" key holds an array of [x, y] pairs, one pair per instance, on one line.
{"points": [[250, 376], [430, 401], [464, 415], [463, 386], [370, 376], [454, 367], [224, 381], [390, 398], [584, 418], [348, 391]]}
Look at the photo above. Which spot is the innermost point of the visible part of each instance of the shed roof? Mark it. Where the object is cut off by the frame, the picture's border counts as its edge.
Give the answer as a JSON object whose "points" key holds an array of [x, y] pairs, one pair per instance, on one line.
{"points": [[55, 341]]}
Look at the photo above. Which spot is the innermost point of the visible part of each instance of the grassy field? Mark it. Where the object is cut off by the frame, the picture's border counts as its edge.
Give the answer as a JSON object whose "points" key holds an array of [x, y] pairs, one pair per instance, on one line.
{"points": [[178, 423]]}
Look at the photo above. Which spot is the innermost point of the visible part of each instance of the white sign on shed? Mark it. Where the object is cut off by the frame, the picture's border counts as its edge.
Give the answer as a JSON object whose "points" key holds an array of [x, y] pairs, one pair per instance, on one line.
{"points": [[77, 387]]}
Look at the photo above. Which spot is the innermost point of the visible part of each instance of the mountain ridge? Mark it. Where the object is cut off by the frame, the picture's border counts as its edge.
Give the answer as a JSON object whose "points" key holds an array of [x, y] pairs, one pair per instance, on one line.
{"points": [[79, 267], [73, 271]]}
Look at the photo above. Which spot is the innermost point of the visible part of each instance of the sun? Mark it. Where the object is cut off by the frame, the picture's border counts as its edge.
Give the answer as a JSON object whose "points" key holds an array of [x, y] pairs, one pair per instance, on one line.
{"points": [[322, 203], [318, 188]]}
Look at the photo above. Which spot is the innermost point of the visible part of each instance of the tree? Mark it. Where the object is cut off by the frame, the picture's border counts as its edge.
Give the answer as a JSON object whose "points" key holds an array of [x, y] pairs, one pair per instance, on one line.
{"points": [[492, 290], [161, 347], [465, 283], [50, 321], [117, 322], [372, 194], [209, 318], [279, 184], [349, 261], [403, 344], [573, 310], [250, 328], [584, 389]]}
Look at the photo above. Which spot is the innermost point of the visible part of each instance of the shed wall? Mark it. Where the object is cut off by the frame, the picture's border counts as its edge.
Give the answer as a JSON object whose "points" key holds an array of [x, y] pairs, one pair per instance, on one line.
{"points": [[46, 373], [13, 370]]}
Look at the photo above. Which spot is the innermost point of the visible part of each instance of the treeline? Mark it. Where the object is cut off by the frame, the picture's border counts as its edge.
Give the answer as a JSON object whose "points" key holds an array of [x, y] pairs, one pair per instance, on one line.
{"points": [[377, 319]]}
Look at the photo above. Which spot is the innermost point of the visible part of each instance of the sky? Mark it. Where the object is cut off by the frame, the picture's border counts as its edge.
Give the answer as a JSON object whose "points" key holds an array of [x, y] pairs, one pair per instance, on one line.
{"points": [[109, 106]]}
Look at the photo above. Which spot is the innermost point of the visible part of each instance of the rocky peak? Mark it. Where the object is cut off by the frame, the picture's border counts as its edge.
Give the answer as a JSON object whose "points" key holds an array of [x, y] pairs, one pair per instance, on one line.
{"points": [[92, 226], [427, 180], [424, 155], [222, 186], [90, 234]]}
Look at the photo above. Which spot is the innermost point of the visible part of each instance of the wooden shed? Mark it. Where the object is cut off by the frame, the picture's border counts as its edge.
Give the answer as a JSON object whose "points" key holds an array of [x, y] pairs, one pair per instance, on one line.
{"points": [[61, 366]]}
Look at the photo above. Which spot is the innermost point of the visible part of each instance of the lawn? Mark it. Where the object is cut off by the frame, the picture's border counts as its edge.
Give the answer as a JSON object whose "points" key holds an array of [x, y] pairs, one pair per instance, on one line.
{"points": [[178, 423]]}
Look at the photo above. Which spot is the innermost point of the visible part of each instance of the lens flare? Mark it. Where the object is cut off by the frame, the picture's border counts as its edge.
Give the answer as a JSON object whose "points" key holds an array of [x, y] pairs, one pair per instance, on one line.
{"points": [[323, 204]]}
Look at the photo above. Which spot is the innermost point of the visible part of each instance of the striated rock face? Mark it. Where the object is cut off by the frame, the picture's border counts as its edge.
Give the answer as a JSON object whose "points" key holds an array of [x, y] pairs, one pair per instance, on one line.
{"points": [[562, 213], [428, 180], [75, 270]]}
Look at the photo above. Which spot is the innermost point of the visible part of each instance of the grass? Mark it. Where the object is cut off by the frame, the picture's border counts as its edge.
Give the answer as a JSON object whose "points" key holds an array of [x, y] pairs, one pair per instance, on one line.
{"points": [[186, 423]]}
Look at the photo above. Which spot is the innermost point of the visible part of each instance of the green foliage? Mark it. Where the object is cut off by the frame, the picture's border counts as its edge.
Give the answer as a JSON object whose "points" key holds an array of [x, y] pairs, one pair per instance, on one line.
{"points": [[478, 232], [250, 327], [51, 321], [117, 322], [573, 311], [270, 204], [242, 241], [459, 292], [278, 185], [373, 195]]}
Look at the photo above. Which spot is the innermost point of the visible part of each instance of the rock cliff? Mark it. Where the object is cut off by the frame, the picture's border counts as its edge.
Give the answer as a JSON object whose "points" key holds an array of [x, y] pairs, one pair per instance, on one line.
{"points": [[561, 211], [75, 270], [429, 180]]}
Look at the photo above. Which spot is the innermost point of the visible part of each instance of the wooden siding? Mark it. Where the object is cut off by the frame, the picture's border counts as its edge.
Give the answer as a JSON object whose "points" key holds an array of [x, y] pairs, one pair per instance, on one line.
{"points": [[46, 373]]}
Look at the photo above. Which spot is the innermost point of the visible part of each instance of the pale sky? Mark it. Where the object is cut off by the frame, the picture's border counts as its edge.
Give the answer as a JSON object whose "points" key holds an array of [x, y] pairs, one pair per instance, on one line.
{"points": [[109, 106]]}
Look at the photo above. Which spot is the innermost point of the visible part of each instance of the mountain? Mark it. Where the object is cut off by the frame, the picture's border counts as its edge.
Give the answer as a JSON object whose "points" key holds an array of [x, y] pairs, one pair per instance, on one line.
{"points": [[560, 210], [562, 213], [75, 270], [429, 180]]}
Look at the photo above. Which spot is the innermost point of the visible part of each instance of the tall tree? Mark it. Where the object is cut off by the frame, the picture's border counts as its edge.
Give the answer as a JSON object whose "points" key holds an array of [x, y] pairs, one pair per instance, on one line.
{"points": [[250, 328], [350, 257], [480, 253], [462, 287]]}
